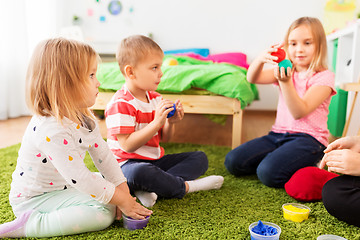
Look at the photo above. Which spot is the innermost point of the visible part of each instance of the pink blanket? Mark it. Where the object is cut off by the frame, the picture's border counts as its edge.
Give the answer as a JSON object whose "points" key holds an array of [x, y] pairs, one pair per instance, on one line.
{"points": [[236, 58]]}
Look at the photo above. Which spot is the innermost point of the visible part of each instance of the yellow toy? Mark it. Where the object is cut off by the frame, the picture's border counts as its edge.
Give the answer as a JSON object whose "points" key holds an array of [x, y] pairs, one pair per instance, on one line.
{"points": [[170, 62]]}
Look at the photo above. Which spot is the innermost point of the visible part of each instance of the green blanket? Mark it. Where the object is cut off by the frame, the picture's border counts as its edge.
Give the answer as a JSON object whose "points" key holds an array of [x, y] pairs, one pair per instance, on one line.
{"points": [[218, 78]]}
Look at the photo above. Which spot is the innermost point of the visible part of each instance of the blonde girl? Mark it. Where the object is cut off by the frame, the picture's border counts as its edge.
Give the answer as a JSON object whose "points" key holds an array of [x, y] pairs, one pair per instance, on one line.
{"points": [[299, 135], [52, 192]]}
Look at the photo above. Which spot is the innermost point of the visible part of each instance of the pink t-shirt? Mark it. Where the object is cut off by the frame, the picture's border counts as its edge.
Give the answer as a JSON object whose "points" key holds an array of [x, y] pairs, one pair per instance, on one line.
{"points": [[315, 123]]}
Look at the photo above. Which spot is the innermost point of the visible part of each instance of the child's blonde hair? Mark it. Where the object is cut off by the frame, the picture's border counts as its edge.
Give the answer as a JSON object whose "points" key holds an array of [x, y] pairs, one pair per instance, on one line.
{"points": [[319, 62], [133, 49], [57, 78]]}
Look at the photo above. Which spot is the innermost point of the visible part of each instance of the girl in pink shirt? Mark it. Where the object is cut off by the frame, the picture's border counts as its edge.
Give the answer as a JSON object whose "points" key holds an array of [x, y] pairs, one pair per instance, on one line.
{"points": [[300, 133]]}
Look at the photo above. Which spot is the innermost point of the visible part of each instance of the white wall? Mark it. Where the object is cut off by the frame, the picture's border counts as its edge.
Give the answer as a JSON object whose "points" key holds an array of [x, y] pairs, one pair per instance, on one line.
{"points": [[222, 26]]}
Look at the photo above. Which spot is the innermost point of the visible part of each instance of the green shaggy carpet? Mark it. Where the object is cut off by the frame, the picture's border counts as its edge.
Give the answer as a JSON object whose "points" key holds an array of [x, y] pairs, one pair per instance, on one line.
{"points": [[217, 214]]}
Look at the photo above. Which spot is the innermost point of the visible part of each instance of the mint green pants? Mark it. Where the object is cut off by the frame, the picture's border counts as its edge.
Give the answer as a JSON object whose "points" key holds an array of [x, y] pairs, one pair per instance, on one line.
{"points": [[65, 212]]}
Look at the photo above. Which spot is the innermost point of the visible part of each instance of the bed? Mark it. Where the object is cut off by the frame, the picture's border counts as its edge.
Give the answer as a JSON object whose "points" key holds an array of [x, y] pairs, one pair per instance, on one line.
{"points": [[204, 84]]}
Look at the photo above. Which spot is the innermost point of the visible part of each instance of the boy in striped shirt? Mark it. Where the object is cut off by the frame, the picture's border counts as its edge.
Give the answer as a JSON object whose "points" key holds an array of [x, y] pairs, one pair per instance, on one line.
{"points": [[136, 119]]}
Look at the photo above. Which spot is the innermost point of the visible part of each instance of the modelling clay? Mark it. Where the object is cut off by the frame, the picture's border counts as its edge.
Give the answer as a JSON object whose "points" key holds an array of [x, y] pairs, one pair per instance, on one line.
{"points": [[295, 214], [264, 230], [285, 64], [170, 114], [280, 53]]}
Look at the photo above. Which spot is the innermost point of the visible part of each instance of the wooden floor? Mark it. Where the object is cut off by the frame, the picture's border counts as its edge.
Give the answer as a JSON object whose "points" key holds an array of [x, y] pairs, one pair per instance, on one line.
{"points": [[193, 129]]}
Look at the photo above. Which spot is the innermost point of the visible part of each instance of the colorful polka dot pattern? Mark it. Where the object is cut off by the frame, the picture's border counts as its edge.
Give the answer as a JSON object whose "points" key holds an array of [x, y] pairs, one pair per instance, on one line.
{"points": [[70, 158]]}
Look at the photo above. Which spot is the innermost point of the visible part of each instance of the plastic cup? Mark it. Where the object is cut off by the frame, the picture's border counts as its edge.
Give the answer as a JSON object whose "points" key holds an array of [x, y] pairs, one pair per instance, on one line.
{"points": [[133, 224], [296, 213], [255, 236], [330, 237]]}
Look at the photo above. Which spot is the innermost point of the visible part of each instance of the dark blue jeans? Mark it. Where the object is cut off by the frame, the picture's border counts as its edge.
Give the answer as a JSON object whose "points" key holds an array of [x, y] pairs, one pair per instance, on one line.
{"points": [[167, 175], [274, 157]]}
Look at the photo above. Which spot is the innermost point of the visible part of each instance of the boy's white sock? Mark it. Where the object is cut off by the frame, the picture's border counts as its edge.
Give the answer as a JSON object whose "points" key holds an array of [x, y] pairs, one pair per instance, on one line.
{"points": [[206, 183], [148, 199], [16, 228]]}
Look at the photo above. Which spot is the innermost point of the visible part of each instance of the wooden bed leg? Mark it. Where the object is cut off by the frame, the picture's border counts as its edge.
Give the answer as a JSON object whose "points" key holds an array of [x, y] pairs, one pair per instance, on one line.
{"points": [[237, 125]]}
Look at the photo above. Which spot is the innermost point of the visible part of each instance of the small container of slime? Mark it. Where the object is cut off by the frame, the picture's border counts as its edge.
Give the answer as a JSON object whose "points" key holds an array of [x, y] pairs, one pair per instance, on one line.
{"points": [[295, 212], [133, 224], [330, 237], [170, 114], [264, 231]]}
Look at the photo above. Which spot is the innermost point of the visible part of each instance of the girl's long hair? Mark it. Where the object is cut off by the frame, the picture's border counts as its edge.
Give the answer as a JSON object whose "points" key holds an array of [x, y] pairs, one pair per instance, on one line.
{"points": [[57, 78], [319, 62]]}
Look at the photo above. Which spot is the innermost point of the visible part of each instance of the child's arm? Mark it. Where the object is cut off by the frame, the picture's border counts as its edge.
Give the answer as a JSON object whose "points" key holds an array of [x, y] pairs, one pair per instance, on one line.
{"points": [[256, 73], [169, 127], [300, 107], [131, 142]]}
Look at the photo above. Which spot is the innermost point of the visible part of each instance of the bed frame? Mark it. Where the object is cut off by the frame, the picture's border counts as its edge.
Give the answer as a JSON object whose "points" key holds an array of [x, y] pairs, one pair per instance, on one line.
{"points": [[197, 104]]}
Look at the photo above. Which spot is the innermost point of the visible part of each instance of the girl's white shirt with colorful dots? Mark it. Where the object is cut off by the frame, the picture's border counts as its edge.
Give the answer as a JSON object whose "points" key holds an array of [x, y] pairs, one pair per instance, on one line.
{"points": [[51, 158]]}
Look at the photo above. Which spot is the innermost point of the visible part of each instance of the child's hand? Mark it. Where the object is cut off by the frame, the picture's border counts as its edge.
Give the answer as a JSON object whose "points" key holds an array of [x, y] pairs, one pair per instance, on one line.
{"points": [[179, 114], [280, 74], [162, 110], [125, 203], [134, 210], [352, 143], [266, 57], [342, 161]]}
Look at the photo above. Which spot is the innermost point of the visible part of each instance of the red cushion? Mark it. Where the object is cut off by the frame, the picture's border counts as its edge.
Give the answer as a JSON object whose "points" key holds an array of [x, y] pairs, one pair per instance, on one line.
{"points": [[306, 184]]}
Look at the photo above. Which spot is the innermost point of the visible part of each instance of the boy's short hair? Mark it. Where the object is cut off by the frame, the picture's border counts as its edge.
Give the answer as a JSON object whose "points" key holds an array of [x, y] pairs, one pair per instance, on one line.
{"points": [[133, 49]]}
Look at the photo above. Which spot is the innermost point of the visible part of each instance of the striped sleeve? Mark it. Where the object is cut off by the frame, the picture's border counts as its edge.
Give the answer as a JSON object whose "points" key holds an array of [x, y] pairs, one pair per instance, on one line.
{"points": [[120, 117]]}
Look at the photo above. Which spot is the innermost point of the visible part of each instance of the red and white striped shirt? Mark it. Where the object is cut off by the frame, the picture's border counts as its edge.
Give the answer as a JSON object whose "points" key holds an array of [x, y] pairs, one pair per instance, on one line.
{"points": [[124, 115]]}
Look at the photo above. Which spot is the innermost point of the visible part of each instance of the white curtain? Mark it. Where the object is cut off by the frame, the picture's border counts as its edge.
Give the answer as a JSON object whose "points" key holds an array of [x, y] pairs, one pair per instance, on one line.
{"points": [[14, 54], [23, 24]]}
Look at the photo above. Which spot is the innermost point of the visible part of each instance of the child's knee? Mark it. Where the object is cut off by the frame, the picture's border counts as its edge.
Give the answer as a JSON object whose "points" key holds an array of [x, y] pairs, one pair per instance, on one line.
{"points": [[229, 162], [200, 161], [230, 159], [235, 165], [270, 177], [201, 156]]}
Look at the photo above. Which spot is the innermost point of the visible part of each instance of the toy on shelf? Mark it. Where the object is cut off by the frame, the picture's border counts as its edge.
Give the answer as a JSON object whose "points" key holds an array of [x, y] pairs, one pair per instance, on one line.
{"points": [[338, 14]]}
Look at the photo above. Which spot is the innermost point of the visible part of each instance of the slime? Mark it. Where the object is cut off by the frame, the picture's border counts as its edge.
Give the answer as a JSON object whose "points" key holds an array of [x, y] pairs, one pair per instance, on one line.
{"points": [[280, 53], [285, 64], [264, 230], [170, 114], [295, 214]]}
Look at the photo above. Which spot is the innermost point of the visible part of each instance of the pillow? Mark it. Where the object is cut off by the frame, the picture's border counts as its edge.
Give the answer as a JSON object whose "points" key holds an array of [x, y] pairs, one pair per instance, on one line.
{"points": [[201, 51], [306, 184], [236, 58]]}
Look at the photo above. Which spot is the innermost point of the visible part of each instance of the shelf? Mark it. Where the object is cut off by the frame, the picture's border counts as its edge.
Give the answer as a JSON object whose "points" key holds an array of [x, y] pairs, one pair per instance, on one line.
{"points": [[344, 54], [343, 32]]}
